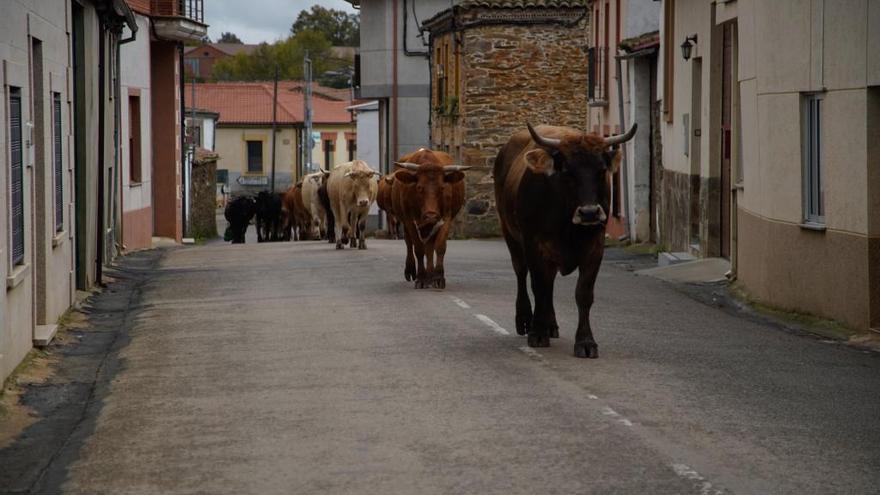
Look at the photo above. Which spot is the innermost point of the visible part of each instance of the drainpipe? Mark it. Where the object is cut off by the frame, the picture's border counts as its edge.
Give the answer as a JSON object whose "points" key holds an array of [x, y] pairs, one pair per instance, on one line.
{"points": [[623, 162], [186, 174], [99, 230], [394, 88], [115, 196]]}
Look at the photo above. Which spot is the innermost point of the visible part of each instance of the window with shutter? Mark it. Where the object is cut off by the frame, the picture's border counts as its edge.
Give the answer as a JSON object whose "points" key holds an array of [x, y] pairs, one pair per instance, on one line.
{"points": [[16, 181], [59, 175]]}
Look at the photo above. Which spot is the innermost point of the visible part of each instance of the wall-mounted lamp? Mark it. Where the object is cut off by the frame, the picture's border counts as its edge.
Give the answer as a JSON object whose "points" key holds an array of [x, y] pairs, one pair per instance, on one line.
{"points": [[687, 46]]}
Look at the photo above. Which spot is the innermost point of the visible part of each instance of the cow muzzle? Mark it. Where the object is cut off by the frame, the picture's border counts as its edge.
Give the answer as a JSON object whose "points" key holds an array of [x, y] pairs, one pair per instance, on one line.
{"points": [[363, 202], [588, 215]]}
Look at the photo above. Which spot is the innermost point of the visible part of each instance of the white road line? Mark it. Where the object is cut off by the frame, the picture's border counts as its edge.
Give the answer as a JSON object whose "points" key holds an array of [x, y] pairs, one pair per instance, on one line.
{"points": [[531, 352], [591, 396], [688, 473], [491, 324], [460, 303], [607, 411]]}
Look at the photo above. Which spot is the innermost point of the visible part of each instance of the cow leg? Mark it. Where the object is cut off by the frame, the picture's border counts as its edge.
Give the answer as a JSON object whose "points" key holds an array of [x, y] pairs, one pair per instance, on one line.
{"points": [[439, 247], [362, 229], [523, 304], [409, 271], [421, 273], [543, 276], [584, 344], [342, 228], [353, 222]]}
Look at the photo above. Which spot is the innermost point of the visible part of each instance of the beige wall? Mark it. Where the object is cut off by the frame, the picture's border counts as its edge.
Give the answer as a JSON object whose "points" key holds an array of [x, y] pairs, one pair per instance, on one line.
{"points": [[40, 289], [341, 153], [786, 48]]}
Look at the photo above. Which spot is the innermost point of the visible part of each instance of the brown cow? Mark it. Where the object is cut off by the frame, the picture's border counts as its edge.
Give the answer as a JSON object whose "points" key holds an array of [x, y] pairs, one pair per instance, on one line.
{"points": [[298, 218], [384, 202], [552, 191], [428, 192]]}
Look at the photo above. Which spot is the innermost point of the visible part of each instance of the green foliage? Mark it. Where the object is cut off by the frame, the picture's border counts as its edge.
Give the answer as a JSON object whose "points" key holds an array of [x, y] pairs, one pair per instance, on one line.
{"points": [[228, 37], [340, 28], [287, 55]]}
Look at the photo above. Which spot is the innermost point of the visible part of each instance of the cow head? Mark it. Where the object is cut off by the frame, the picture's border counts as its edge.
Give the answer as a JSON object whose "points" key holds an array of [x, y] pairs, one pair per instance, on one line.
{"points": [[362, 178], [579, 167], [429, 180]]}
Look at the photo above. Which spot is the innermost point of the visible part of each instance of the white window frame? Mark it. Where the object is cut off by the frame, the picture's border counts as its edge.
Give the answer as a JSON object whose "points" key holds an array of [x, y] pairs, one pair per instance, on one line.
{"points": [[811, 156]]}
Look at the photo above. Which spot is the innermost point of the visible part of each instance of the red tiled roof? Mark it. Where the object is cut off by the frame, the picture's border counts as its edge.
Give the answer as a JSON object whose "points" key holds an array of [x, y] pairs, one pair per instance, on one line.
{"points": [[251, 102]]}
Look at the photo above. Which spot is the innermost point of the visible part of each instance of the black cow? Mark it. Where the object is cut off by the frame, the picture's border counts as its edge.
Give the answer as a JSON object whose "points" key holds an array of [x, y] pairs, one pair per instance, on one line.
{"points": [[269, 218], [324, 197], [239, 213], [552, 191]]}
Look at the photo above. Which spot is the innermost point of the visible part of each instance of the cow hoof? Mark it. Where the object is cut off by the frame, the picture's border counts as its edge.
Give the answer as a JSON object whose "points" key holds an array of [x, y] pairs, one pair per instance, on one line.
{"points": [[523, 325], [586, 350], [339, 246], [420, 284], [362, 245], [536, 340], [439, 283], [554, 332], [407, 276]]}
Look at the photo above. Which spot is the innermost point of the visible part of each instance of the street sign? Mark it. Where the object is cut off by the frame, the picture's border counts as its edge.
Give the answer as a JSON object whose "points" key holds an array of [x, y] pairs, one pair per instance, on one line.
{"points": [[253, 180]]}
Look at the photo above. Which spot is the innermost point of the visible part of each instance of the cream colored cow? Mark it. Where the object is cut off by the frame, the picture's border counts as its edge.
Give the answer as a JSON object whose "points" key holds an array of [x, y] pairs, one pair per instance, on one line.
{"points": [[352, 188], [311, 184]]}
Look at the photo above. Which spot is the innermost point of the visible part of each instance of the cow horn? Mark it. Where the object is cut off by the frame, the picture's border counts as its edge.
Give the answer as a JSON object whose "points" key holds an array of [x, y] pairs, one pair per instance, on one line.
{"points": [[621, 138], [409, 166], [377, 173], [324, 171], [456, 168], [347, 174], [541, 141]]}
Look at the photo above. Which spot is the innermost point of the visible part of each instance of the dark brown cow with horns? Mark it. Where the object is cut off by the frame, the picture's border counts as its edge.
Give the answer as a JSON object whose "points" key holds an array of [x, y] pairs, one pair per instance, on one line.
{"points": [[552, 190], [428, 192]]}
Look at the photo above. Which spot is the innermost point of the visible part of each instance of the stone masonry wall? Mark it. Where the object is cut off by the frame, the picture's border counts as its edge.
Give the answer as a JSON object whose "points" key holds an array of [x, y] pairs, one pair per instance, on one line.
{"points": [[511, 74]]}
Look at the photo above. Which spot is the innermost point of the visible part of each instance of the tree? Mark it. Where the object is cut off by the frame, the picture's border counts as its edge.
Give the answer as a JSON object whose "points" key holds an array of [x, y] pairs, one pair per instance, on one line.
{"points": [[288, 55], [228, 37], [340, 28]]}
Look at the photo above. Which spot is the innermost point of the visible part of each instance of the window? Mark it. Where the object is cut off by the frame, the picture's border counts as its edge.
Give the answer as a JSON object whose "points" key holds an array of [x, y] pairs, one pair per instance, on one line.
{"points": [[134, 139], [814, 208], [328, 153], [16, 181], [352, 149], [193, 65], [254, 156], [57, 156]]}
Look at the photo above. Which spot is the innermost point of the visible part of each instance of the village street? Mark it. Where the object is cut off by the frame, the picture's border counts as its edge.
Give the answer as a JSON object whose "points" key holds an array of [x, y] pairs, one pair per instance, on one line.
{"points": [[296, 368]]}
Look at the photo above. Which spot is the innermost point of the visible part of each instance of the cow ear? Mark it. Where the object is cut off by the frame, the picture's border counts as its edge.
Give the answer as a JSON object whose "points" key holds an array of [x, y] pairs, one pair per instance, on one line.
{"points": [[453, 177], [540, 162], [405, 177]]}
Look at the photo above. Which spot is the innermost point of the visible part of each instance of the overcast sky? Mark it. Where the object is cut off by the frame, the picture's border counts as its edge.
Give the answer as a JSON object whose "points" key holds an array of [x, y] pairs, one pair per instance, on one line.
{"points": [[255, 21]]}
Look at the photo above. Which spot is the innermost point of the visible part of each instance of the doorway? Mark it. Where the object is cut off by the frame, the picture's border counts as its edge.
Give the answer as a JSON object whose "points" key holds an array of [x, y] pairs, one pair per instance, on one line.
{"points": [[727, 84]]}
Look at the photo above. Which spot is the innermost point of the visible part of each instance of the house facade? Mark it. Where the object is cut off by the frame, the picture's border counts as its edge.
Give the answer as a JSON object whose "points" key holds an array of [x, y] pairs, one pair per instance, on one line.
{"points": [[493, 69], [392, 68], [69, 106], [243, 134], [199, 60], [769, 125]]}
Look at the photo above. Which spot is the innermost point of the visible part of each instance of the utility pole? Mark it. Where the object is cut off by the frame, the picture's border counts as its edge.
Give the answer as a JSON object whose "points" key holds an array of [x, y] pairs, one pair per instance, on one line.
{"points": [[307, 114], [274, 124]]}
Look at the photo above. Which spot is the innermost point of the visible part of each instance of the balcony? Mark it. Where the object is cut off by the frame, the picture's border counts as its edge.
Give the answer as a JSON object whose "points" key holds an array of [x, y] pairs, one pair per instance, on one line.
{"points": [[179, 20]]}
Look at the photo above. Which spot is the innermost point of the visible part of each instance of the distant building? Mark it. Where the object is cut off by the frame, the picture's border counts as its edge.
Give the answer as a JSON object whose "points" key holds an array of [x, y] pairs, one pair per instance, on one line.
{"points": [[495, 67], [770, 126], [392, 68], [199, 60], [244, 131]]}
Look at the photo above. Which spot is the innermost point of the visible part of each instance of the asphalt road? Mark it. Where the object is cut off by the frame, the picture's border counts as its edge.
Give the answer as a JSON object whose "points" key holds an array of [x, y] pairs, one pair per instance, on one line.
{"points": [[297, 368]]}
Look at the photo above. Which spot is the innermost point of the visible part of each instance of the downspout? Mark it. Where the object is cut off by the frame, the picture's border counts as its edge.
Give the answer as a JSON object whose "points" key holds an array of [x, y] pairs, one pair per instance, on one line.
{"points": [[185, 179], [394, 83], [117, 143], [102, 95], [623, 162]]}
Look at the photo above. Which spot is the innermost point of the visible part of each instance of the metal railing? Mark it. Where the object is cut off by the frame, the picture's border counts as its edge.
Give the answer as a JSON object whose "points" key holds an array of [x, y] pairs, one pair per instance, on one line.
{"points": [[191, 9]]}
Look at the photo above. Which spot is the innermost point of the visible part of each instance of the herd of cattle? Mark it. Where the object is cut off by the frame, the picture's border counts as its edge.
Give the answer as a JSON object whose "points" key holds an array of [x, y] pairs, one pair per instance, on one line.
{"points": [[552, 191]]}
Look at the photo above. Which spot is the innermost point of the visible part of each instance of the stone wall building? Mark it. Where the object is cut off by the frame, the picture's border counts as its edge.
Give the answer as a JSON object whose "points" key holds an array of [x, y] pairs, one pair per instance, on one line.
{"points": [[494, 67]]}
